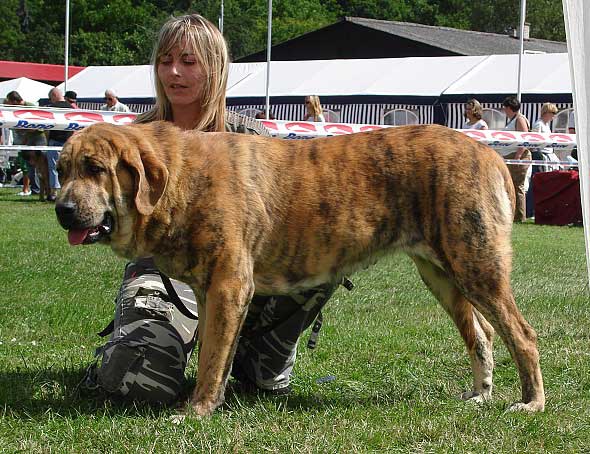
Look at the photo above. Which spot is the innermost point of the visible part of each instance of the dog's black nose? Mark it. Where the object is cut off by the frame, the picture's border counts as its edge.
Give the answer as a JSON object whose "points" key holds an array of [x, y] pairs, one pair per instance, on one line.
{"points": [[66, 212]]}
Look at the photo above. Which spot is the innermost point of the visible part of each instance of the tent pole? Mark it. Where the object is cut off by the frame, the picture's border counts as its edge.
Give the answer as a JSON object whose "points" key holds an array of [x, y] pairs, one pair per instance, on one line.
{"points": [[268, 44], [521, 52], [221, 13], [67, 45]]}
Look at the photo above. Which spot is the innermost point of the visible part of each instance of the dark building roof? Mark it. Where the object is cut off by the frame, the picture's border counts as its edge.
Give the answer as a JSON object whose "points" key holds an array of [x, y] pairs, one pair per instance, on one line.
{"points": [[41, 72], [355, 37]]}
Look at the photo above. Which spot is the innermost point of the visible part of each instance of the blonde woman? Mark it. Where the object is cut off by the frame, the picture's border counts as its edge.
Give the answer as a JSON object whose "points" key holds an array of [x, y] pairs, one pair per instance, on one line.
{"points": [[548, 112], [473, 115], [191, 64], [314, 111]]}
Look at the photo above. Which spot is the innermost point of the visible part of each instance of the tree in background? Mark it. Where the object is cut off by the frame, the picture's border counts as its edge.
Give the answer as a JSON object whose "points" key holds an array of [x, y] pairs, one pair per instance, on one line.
{"points": [[122, 32], [544, 16]]}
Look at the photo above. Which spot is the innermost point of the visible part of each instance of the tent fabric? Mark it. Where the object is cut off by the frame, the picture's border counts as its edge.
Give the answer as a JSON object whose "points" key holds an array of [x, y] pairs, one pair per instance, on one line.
{"points": [[421, 79], [128, 82], [377, 77], [30, 90], [577, 21], [37, 71], [498, 74], [135, 82]]}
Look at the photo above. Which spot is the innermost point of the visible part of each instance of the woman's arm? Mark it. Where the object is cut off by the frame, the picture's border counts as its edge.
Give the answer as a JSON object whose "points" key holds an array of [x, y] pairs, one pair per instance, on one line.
{"points": [[522, 124]]}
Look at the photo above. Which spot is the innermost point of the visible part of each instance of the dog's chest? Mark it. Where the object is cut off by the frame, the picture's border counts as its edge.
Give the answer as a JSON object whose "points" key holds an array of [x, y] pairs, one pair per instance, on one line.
{"points": [[275, 284]]}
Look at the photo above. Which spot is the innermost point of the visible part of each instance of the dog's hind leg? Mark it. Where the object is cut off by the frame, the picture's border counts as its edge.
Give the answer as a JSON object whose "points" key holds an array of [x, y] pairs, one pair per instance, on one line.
{"points": [[476, 332], [492, 296]]}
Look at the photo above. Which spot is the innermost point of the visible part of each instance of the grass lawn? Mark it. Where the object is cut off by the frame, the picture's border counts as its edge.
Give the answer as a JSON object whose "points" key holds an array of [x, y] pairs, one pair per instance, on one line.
{"points": [[398, 362]]}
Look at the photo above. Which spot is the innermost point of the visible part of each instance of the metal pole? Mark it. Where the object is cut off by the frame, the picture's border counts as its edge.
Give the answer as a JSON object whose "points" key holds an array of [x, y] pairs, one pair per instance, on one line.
{"points": [[521, 52], [221, 18], [67, 45], [268, 44]]}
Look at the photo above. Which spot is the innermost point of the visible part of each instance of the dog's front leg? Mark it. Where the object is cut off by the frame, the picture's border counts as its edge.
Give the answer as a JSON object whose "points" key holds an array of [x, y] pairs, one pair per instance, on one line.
{"points": [[226, 304]]}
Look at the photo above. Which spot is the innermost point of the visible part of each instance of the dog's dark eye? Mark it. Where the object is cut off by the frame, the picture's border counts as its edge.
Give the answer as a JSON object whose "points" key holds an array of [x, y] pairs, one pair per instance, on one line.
{"points": [[93, 169]]}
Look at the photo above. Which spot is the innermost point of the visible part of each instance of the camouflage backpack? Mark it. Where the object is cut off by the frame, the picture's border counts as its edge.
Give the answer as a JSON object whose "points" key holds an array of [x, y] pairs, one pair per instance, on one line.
{"points": [[151, 338]]}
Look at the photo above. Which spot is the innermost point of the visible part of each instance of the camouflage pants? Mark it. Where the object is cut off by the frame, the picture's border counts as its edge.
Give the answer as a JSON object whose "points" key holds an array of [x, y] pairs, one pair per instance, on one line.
{"points": [[268, 342], [150, 342], [266, 348]]}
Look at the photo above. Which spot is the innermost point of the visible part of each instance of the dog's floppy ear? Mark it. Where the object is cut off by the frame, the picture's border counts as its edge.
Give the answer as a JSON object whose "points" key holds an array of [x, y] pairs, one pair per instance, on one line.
{"points": [[151, 177]]}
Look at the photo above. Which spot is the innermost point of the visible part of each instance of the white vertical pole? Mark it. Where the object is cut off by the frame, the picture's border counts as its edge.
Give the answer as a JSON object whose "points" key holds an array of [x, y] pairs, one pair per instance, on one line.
{"points": [[521, 52], [221, 18], [577, 31], [67, 45], [268, 44]]}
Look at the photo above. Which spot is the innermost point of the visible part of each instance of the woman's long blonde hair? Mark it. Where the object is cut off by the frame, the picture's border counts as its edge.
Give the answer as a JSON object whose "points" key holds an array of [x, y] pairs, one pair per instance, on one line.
{"points": [[316, 108], [207, 43]]}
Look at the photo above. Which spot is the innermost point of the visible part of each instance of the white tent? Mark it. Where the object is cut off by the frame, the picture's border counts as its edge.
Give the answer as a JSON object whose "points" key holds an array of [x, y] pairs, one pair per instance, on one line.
{"points": [[498, 74], [577, 21], [30, 90], [135, 83], [410, 76], [361, 91], [125, 81], [418, 77]]}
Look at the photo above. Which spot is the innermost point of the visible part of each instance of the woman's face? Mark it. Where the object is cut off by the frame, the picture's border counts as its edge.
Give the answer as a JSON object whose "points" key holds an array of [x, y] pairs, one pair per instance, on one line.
{"points": [[181, 76]]}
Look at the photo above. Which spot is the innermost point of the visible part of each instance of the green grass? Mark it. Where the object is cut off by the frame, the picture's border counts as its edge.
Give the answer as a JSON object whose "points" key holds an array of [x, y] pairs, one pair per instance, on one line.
{"points": [[398, 361]]}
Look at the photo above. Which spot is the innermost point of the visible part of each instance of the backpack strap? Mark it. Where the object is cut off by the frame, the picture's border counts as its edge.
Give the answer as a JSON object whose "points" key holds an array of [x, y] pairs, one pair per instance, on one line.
{"points": [[315, 331], [175, 299], [317, 326], [107, 329]]}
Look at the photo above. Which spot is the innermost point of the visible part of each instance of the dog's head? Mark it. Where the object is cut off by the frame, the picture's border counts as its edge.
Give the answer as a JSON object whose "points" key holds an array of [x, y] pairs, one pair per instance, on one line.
{"points": [[109, 175]]}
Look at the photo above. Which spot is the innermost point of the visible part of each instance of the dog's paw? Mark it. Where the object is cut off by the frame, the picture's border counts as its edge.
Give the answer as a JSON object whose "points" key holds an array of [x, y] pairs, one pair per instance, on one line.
{"points": [[530, 407], [177, 419], [202, 409], [187, 409], [476, 397], [194, 411]]}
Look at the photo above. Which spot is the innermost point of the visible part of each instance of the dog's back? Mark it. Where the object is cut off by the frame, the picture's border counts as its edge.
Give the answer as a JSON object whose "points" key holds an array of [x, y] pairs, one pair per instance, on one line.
{"points": [[321, 208]]}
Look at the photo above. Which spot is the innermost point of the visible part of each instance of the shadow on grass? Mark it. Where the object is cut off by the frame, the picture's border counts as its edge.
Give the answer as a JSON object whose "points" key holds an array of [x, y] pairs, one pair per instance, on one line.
{"points": [[33, 393], [320, 400]]}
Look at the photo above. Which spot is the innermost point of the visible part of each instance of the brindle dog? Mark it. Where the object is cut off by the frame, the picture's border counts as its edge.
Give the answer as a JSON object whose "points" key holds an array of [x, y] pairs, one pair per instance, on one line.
{"points": [[231, 214]]}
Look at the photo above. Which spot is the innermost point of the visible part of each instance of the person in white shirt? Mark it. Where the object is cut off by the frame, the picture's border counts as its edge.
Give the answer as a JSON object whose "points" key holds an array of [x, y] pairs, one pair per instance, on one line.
{"points": [[113, 104], [473, 114], [548, 112], [314, 109]]}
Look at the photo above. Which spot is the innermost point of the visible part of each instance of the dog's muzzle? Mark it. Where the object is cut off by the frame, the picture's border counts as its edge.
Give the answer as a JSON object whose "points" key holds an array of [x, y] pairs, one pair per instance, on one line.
{"points": [[80, 234]]}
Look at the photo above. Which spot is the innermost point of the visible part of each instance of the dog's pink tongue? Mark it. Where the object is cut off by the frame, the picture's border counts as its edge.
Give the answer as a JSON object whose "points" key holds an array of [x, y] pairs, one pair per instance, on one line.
{"points": [[77, 236]]}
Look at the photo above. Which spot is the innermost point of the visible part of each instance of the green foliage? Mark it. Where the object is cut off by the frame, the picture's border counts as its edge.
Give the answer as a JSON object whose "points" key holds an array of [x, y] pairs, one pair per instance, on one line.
{"points": [[545, 17], [121, 32]]}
